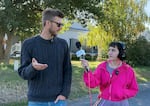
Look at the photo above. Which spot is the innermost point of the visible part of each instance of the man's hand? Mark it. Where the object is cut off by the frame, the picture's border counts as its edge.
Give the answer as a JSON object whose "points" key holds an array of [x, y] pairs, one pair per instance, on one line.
{"points": [[60, 97], [38, 66]]}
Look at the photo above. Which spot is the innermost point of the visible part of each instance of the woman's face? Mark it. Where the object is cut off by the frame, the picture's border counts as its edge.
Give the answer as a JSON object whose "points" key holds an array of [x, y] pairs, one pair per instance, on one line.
{"points": [[113, 53]]}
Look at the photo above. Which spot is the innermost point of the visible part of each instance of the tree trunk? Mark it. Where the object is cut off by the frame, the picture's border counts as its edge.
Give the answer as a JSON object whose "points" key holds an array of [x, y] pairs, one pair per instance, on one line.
{"points": [[5, 54], [99, 57], [1, 48]]}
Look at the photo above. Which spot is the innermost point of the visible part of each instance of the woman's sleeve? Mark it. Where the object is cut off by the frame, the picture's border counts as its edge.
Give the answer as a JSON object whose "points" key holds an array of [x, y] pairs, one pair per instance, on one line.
{"points": [[132, 86], [92, 79]]}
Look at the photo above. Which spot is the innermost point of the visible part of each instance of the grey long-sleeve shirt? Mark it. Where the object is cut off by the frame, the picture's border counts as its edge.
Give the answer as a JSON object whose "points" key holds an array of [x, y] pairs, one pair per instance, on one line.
{"points": [[46, 85]]}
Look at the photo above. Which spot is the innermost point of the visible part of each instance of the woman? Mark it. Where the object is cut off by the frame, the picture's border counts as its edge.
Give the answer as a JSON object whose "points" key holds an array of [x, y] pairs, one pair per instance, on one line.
{"points": [[115, 78]]}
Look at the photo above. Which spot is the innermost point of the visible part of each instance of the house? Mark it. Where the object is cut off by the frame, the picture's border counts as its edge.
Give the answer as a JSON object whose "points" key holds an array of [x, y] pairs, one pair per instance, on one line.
{"points": [[146, 34], [72, 36]]}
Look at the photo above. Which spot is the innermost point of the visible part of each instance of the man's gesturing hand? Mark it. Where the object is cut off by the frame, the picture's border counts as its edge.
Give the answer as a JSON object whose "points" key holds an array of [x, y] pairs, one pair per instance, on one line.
{"points": [[38, 66]]}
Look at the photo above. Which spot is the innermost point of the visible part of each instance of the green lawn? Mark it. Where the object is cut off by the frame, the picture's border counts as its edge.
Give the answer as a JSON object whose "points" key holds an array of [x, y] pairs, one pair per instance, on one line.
{"points": [[10, 79]]}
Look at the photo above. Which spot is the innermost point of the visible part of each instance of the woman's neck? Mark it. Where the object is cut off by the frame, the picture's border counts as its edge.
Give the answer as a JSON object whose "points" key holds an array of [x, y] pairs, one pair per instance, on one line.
{"points": [[114, 63]]}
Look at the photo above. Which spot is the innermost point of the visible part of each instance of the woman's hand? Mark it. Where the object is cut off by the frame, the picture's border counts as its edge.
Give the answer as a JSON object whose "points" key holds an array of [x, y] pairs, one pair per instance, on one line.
{"points": [[85, 64]]}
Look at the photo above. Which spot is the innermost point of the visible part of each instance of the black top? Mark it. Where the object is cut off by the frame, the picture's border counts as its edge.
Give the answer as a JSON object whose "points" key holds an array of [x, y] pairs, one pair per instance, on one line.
{"points": [[46, 85]]}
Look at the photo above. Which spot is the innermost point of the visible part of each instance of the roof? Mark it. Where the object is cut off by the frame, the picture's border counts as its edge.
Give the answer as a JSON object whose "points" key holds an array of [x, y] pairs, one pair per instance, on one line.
{"points": [[78, 26], [146, 34]]}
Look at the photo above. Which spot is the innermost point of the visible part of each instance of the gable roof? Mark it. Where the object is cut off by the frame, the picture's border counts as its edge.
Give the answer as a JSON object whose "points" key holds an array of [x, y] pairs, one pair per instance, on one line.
{"points": [[77, 26], [146, 34]]}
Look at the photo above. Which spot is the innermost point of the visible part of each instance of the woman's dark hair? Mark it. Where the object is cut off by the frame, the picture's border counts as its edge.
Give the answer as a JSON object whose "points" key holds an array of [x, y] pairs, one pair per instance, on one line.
{"points": [[121, 48]]}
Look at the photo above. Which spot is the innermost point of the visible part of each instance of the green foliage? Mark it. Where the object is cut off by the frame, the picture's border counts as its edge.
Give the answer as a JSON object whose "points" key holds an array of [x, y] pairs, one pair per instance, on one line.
{"points": [[66, 26], [97, 36], [19, 17], [121, 20], [117, 17], [20, 103], [124, 19], [138, 52]]}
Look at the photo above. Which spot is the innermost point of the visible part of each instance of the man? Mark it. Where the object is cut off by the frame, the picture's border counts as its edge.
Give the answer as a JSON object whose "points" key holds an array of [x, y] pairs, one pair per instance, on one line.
{"points": [[45, 63]]}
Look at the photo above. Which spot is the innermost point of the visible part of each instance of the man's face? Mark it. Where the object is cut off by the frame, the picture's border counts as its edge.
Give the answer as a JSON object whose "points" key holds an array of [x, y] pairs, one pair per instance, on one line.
{"points": [[55, 26]]}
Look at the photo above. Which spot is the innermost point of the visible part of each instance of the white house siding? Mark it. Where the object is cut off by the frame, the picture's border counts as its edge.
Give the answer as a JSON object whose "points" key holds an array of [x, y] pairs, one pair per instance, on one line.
{"points": [[72, 35], [146, 34]]}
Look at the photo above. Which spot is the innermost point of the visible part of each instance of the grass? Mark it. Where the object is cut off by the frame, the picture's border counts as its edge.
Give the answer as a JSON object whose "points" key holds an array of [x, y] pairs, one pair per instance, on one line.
{"points": [[21, 103], [142, 73], [10, 79]]}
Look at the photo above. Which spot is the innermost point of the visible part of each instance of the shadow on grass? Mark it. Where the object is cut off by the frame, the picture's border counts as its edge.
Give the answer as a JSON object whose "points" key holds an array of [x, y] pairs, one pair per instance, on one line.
{"points": [[142, 73]]}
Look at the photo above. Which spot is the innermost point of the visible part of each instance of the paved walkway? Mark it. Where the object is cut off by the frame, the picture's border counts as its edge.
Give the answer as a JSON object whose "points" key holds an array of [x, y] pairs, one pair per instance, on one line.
{"points": [[142, 98]]}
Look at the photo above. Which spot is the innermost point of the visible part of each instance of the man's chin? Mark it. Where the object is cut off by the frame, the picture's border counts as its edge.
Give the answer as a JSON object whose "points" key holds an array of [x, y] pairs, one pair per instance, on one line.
{"points": [[54, 35]]}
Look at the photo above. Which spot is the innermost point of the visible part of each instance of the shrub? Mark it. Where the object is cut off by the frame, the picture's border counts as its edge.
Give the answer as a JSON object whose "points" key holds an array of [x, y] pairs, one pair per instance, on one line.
{"points": [[138, 53]]}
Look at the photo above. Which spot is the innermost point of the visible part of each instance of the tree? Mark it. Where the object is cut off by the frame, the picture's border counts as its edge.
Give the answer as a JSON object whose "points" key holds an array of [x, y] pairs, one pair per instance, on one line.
{"points": [[117, 17], [124, 19], [25, 15], [18, 18], [22, 17], [97, 36], [121, 21]]}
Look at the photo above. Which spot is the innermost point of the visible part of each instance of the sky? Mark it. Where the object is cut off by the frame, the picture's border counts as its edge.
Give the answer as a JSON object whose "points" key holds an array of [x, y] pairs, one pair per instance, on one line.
{"points": [[147, 8]]}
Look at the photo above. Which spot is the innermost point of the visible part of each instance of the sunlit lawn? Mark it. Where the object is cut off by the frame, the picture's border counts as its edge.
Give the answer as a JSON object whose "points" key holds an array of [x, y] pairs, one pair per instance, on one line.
{"points": [[7, 75], [142, 73]]}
